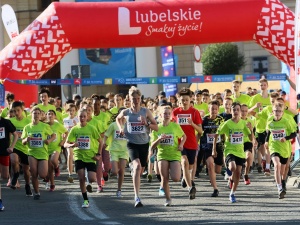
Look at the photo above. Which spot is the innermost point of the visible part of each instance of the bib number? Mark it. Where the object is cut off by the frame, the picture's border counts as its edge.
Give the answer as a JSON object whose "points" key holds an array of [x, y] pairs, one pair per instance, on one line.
{"points": [[169, 140], [136, 128], [236, 139], [36, 142], [210, 138], [119, 136], [182, 119], [2, 132], [278, 134], [84, 143]]}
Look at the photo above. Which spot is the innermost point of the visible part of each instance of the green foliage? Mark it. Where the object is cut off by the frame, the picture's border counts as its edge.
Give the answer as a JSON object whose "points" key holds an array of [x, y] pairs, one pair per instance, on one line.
{"points": [[222, 58]]}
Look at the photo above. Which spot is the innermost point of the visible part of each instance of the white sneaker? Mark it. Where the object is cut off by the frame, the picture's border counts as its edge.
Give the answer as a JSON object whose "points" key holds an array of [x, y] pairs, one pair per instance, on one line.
{"points": [[168, 203], [119, 194], [85, 204], [47, 186]]}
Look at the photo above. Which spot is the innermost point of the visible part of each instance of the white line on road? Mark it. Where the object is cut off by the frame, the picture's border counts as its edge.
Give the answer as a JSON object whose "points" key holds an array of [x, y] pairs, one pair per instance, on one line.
{"points": [[96, 211], [76, 208]]}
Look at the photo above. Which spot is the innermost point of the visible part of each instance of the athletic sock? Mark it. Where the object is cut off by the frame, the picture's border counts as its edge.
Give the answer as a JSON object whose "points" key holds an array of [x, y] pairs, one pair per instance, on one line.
{"points": [[279, 186], [84, 195], [268, 166]]}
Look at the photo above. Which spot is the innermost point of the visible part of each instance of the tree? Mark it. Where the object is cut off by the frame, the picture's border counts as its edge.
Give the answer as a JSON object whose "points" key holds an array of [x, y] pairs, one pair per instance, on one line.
{"points": [[222, 58]]}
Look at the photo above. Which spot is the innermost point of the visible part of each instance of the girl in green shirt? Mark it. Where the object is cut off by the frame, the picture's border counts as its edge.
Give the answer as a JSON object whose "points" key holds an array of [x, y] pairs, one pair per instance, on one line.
{"points": [[35, 136]]}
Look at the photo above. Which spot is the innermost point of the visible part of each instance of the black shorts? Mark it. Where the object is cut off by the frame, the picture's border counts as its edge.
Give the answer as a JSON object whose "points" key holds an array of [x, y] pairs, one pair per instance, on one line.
{"points": [[190, 154], [248, 147], [232, 158], [22, 157], [261, 138], [218, 160], [138, 151], [89, 166], [282, 160]]}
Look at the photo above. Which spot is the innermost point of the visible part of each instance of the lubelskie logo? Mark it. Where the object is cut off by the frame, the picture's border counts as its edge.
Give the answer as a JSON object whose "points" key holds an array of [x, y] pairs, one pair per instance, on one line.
{"points": [[168, 22]]}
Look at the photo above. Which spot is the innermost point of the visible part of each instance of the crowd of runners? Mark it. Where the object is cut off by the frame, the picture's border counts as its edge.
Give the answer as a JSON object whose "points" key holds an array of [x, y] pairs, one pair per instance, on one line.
{"points": [[174, 137]]}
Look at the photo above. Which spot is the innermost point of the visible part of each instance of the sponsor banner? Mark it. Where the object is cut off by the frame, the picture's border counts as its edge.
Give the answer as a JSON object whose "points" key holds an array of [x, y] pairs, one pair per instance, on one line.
{"points": [[223, 78], [164, 80], [251, 77], [169, 70], [196, 79], [10, 21]]}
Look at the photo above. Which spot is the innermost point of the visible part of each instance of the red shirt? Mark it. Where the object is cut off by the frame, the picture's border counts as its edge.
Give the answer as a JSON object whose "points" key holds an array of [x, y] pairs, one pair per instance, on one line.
{"points": [[180, 116]]}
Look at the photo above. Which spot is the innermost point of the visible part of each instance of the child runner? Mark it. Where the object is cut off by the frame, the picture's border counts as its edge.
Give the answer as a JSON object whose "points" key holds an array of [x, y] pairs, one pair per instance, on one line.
{"points": [[214, 160], [234, 130], [54, 147], [279, 131], [6, 148], [20, 153], [35, 135], [70, 121], [190, 121], [118, 152], [83, 138], [169, 150]]}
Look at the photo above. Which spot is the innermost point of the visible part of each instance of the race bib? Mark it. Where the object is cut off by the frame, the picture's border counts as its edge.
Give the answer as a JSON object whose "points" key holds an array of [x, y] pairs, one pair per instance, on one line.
{"points": [[36, 142], [136, 128], [2, 132], [119, 136], [182, 119], [69, 124], [19, 133], [84, 143], [210, 138], [278, 134], [169, 140], [236, 139]]}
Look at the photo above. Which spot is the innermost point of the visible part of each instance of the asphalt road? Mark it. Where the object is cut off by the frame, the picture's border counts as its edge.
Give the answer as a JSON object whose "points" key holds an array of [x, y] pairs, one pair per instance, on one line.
{"points": [[256, 204]]}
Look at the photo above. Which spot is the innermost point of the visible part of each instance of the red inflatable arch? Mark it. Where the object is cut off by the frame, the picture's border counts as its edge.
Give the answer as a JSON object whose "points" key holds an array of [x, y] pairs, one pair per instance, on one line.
{"points": [[64, 26]]}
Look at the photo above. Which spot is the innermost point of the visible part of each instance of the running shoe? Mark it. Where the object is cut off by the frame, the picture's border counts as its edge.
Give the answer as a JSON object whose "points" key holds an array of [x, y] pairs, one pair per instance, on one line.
{"points": [[37, 197], [149, 178], [85, 204], [259, 169], [267, 172], [105, 176], [14, 181], [168, 203], [281, 194], [52, 187], [246, 180], [192, 193], [158, 177], [28, 190], [89, 188], [145, 173], [70, 179], [138, 203], [206, 172], [57, 171], [161, 192], [215, 193], [183, 183], [193, 184], [47, 186], [119, 194], [232, 198], [283, 185], [99, 189], [263, 164], [1, 206]]}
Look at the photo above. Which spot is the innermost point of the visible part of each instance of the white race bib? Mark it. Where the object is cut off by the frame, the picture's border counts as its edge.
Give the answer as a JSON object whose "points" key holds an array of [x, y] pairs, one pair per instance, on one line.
{"points": [[236, 139], [278, 134], [2, 132], [84, 143], [136, 128], [36, 142], [182, 119], [168, 140], [210, 138], [119, 136]]}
